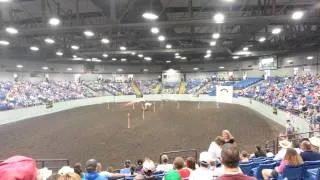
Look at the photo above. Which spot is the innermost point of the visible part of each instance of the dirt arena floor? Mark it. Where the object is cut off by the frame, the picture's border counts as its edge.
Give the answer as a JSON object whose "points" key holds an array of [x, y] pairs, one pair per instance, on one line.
{"points": [[95, 132]]}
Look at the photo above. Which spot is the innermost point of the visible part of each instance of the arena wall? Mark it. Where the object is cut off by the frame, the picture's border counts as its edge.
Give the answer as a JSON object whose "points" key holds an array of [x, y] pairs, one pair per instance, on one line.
{"points": [[25, 113]]}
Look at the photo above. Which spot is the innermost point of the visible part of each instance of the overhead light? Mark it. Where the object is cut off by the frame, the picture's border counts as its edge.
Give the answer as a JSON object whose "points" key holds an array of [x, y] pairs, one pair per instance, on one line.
{"points": [[245, 49], [213, 43], [297, 15], [145, 70], [209, 51], [150, 16], [176, 54], [77, 59], [133, 53], [221, 67], [74, 56], [216, 36], [59, 53], [119, 70], [218, 18], [161, 38], [155, 30], [4, 1], [147, 58], [88, 60], [34, 48], [69, 69], [105, 55], [140, 55], [75, 47], [262, 39], [183, 58], [54, 21], [88, 33], [19, 66], [123, 59], [276, 31], [122, 48], [49, 41], [168, 61], [289, 61], [229, 0], [242, 53], [196, 69], [4, 43], [178, 57], [12, 30], [105, 41], [45, 68], [168, 46], [207, 56], [96, 60], [235, 57], [310, 57], [114, 59]]}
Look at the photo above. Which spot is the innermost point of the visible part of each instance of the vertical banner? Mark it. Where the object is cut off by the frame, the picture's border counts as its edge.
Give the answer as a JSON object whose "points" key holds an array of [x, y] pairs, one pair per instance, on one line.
{"points": [[224, 94]]}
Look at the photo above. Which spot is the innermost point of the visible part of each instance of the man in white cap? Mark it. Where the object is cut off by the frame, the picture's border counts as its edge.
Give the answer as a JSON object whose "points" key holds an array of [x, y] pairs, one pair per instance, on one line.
{"points": [[165, 166], [284, 144], [203, 172]]}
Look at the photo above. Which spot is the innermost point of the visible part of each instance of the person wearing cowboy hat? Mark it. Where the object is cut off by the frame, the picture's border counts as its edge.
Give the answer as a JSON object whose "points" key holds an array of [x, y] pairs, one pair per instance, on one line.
{"points": [[284, 144], [315, 142]]}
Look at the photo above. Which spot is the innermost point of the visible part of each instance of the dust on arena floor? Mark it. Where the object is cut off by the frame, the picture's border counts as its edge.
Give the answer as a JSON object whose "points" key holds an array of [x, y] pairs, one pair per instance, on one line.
{"points": [[96, 132]]}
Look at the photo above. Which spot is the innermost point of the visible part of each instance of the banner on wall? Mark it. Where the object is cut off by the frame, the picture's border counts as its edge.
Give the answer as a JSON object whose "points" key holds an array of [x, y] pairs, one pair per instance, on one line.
{"points": [[224, 94]]}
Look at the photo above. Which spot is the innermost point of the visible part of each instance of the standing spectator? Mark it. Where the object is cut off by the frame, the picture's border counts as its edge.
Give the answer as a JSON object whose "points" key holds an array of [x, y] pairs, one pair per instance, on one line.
{"points": [[308, 153], [291, 158], [178, 164], [203, 172], [227, 136], [259, 152], [284, 144], [126, 169], [165, 166], [215, 147], [230, 158], [92, 174]]}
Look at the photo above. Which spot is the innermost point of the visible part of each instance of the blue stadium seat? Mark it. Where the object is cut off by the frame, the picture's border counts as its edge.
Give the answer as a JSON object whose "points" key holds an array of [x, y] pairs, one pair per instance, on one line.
{"points": [[246, 168], [312, 174], [292, 173], [257, 172]]}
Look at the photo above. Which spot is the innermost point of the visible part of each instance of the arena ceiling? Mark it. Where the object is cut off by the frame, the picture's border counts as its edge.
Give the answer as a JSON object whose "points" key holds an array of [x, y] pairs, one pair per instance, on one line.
{"points": [[187, 25]]}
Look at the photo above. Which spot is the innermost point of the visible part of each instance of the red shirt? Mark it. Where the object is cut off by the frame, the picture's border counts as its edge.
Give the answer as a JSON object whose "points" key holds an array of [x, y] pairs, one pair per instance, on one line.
{"points": [[184, 173], [235, 177]]}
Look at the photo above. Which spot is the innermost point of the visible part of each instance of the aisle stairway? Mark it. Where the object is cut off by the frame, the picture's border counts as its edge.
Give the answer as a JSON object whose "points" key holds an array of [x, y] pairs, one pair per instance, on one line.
{"points": [[182, 87]]}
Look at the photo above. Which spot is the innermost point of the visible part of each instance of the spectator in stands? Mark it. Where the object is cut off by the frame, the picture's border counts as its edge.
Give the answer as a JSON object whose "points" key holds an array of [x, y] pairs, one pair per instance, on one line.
{"points": [[191, 163], [284, 144], [165, 166], [126, 169], [203, 172], [70, 176], [109, 174], [315, 142], [65, 170], [172, 175], [259, 152], [91, 171], [230, 158], [148, 168], [308, 153], [215, 147], [178, 164], [244, 156], [269, 153], [78, 169], [18, 168], [227, 136], [291, 158], [139, 165]]}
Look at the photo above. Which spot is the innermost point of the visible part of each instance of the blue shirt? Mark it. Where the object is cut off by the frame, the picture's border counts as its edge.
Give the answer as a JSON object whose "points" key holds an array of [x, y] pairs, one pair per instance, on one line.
{"points": [[310, 156], [125, 171], [93, 176]]}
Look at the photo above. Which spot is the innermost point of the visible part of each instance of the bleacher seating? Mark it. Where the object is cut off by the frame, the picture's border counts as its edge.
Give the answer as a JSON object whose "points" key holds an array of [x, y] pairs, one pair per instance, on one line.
{"points": [[245, 83]]}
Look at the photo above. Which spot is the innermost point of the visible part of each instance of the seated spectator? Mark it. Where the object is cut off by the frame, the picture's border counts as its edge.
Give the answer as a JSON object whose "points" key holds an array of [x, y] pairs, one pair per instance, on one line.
{"points": [[18, 168], [165, 166], [215, 147], [148, 168], [291, 158], [191, 163], [269, 153], [172, 175], [230, 158], [227, 136], [65, 170], [91, 171], [244, 156], [109, 174], [308, 153], [139, 165], [78, 169], [70, 176], [259, 152], [126, 169], [315, 142], [178, 164], [284, 144], [139, 177], [203, 172]]}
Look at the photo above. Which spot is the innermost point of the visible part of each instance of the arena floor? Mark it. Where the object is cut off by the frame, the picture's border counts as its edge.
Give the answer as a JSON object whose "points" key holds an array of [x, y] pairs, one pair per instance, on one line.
{"points": [[95, 132]]}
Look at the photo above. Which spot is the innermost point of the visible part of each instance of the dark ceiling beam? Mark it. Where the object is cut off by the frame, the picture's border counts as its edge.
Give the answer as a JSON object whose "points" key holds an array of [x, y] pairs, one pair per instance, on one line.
{"points": [[164, 24]]}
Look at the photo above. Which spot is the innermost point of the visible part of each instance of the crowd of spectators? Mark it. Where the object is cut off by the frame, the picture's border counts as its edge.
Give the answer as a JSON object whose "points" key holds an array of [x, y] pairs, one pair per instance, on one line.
{"points": [[147, 86]]}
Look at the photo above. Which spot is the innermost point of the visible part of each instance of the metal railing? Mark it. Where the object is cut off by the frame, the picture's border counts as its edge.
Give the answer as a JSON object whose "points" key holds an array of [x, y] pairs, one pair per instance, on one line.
{"points": [[183, 153]]}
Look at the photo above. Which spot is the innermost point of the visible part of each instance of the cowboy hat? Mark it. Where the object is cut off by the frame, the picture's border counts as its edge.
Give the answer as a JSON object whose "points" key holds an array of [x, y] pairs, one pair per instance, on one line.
{"points": [[315, 141], [285, 144]]}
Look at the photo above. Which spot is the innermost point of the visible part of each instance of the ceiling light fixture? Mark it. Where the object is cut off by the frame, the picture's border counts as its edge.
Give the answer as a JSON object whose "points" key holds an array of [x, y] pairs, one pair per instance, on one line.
{"points": [[195, 69], [133, 53], [49, 41], [297, 15], [145, 70], [213, 43], [245, 49], [140, 55], [235, 57], [168, 46], [209, 51], [147, 58], [88, 33], [74, 56], [218, 18], [150, 16], [105, 55], [34, 48], [119, 70], [155, 30], [75, 47], [123, 59], [45, 68], [216, 36], [114, 59], [122, 48], [19, 66], [262, 39], [289, 61], [178, 57], [161, 38], [207, 56], [168, 61], [54, 21], [12, 30], [177, 54], [183, 58], [59, 53], [4, 1], [276, 31], [310, 57], [105, 41], [4, 43], [69, 69], [221, 67]]}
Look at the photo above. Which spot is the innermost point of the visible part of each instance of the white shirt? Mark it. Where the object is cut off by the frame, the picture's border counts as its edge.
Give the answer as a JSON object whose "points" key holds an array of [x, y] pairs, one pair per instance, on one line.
{"points": [[201, 173], [280, 155], [215, 150], [164, 167], [270, 154]]}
